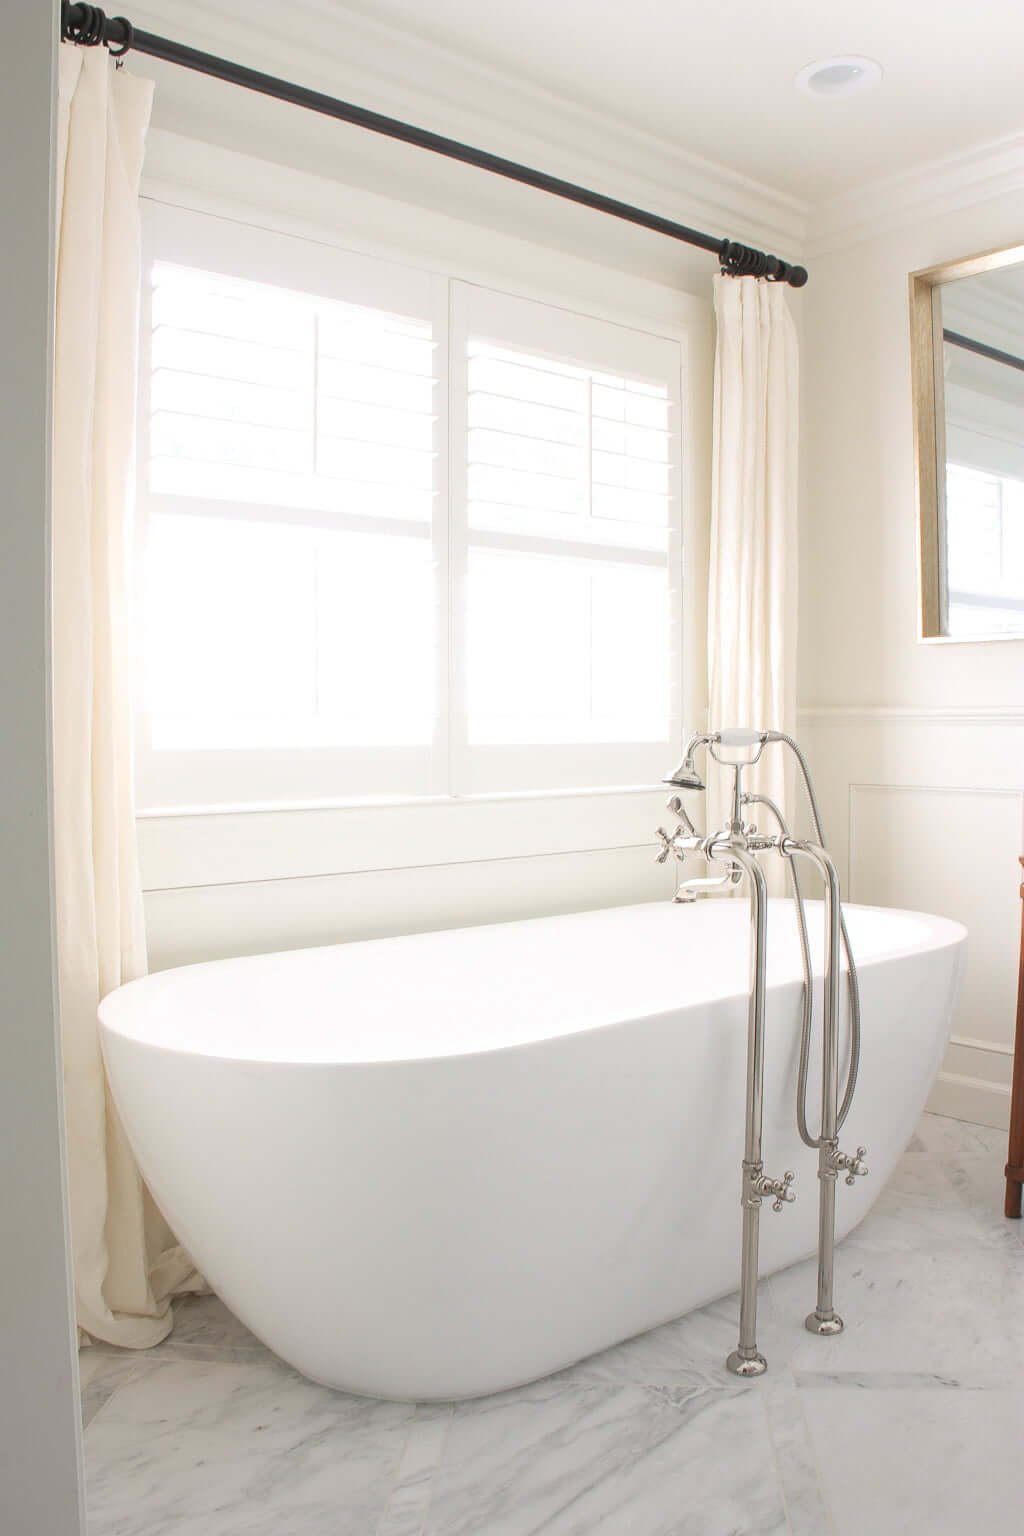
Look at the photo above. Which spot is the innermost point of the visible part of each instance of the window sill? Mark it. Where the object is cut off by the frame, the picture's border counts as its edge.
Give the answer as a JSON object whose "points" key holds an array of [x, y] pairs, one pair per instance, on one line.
{"points": [[389, 802]]}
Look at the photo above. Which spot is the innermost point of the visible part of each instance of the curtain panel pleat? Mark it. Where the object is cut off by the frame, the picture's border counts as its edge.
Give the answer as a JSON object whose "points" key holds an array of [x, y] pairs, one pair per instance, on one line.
{"points": [[119, 1241], [752, 586]]}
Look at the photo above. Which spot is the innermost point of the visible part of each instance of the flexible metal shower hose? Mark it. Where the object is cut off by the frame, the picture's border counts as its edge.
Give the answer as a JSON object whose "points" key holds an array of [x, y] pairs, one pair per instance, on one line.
{"points": [[805, 955]]}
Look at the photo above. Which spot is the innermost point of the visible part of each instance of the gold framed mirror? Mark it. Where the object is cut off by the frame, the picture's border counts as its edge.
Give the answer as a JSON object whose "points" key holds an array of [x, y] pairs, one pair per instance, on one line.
{"points": [[967, 358]]}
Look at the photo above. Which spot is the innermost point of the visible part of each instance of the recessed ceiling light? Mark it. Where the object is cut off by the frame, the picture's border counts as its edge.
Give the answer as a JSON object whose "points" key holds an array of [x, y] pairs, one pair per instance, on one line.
{"points": [[845, 75]]}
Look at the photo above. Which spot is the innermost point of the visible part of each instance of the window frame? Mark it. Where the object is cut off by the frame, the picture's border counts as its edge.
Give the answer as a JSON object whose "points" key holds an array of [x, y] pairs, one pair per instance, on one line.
{"points": [[196, 781]]}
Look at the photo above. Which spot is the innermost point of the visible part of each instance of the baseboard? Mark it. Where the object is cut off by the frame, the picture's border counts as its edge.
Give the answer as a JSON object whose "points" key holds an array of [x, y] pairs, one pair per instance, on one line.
{"points": [[971, 1098]]}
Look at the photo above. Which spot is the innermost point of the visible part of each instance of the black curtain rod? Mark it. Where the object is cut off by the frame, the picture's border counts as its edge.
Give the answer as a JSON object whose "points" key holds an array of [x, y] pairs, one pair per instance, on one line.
{"points": [[88, 26], [982, 349]]}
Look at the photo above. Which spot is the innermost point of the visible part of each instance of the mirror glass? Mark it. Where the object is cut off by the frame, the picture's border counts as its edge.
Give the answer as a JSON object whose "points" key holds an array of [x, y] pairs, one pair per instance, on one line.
{"points": [[973, 532], [983, 375]]}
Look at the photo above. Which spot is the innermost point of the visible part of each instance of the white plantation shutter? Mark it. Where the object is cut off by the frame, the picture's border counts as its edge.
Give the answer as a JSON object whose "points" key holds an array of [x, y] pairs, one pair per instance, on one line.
{"points": [[388, 553], [568, 553], [264, 395], [290, 481]]}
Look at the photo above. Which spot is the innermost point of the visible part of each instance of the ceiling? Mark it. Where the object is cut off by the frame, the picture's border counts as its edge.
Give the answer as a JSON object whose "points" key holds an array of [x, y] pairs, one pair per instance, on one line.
{"points": [[715, 78]]}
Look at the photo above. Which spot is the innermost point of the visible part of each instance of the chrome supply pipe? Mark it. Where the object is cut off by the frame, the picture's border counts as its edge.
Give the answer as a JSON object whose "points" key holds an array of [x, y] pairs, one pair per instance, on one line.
{"points": [[807, 1000], [737, 846], [746, 1359]]}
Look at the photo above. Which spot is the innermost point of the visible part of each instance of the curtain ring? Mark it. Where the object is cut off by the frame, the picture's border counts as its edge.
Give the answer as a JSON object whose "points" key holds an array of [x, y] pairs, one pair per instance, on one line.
{"points": [[86, 29], [126, 42]]}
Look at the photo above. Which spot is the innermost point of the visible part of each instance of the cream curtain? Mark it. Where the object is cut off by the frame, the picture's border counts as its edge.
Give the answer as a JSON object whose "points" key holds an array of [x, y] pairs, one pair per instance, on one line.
{"points": [[125, 1262], [752, 587]]}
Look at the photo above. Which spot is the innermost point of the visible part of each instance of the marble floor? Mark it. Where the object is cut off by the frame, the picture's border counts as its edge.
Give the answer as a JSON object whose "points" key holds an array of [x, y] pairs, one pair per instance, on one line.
{"points": [[912, 1422]]}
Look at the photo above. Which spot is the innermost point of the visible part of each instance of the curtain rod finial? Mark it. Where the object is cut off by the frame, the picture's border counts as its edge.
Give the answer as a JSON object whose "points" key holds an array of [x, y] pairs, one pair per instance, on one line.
{"points": [[89, 27], [746, 261]]}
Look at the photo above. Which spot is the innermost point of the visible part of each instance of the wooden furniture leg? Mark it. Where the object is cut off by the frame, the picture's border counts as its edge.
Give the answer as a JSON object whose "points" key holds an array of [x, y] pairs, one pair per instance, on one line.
{"points": [[1015, 1150]]}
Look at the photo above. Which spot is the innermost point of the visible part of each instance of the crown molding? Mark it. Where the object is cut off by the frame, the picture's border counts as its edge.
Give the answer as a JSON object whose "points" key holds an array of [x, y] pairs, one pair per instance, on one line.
{"points": [[331, 48], [960, 180]]}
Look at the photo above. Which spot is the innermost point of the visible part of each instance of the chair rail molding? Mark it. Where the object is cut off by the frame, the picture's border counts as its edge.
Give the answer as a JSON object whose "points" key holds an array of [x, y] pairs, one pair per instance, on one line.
{"points": [[907, 714]]}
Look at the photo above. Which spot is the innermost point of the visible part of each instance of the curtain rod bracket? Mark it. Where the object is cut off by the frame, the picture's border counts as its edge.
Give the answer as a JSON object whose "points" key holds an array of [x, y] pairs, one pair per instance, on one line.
{"points": [[89, 26]]}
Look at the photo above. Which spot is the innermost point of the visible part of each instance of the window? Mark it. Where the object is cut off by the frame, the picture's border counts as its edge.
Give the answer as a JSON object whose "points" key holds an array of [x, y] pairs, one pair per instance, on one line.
{"points": [[984, 551], [399, 535]]}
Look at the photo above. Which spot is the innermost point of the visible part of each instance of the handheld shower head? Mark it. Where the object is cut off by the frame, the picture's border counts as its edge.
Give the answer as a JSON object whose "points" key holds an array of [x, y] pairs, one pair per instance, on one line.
{"points": [[686, 775]]}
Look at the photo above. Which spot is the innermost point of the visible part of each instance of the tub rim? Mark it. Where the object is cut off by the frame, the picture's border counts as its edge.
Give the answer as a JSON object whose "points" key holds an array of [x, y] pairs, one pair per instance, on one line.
{"points": [[943, 933]]}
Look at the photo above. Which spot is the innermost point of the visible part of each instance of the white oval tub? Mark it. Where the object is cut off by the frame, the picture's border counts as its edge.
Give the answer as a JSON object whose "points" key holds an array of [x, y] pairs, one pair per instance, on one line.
{"points": [[441, 1165]]}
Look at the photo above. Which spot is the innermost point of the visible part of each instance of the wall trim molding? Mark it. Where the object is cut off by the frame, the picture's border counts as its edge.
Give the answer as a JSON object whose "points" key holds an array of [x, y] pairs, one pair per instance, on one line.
{"points": [[972, 1099], [885, 787], [886, 714], [925, 192], [993, 1047], [390, 803]]}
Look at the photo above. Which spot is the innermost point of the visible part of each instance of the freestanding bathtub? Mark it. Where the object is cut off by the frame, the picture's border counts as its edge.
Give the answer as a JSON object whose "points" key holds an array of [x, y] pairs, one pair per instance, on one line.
{"points": [[441, 1165]]}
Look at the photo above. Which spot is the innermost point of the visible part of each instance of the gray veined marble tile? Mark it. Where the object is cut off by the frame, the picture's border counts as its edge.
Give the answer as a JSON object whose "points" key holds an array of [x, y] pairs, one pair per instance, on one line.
{"points": [[204, 1329], [929, 1201], [928, 1462], [919, 1177], [254, 1519], [954, 1139], [979, 1187], [908, 1220], [101, 1371], [687, 1354], [902, 1381], [192, 1439], [410, 1500], [877, 1431], [972, 1158], [579, 1460], [922, 1309], [802, 1495]]}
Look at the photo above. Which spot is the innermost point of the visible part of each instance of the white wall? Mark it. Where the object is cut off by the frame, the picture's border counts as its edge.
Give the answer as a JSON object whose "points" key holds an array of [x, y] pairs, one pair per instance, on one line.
{"points": [[39, 1454], [919, 746]]}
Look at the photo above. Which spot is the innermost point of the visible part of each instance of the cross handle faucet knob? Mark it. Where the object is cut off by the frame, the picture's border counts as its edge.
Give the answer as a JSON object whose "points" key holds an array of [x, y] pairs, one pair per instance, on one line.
{"points": [[854, 1167], [666, 846], [782, 1192]]}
